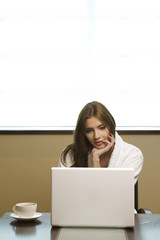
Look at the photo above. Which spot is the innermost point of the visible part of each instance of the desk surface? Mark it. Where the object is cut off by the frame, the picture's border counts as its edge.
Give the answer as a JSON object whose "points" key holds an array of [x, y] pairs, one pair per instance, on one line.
{"points": [[147, 227]]}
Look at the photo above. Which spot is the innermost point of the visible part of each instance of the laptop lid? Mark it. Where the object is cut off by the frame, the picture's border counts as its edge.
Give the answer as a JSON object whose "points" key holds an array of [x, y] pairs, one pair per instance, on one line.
{"points": [[92, 197]]}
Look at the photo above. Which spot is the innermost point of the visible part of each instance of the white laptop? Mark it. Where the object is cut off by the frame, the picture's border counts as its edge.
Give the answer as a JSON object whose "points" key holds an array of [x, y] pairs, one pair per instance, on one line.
{"points": [[92, 197]]}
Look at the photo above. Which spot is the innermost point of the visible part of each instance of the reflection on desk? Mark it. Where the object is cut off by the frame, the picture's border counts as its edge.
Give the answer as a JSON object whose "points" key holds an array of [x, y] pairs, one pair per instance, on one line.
{"points": [[25, 228], [87, 234], [147, 227], [14, 229]]}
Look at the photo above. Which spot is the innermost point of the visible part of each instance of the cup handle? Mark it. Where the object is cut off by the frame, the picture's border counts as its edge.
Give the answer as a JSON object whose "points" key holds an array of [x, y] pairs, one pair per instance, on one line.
{"points": [[14, 209]]}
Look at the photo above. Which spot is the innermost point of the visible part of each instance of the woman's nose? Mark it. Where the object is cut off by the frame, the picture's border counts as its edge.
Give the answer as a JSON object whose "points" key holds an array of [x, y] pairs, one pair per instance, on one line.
{"points": [[96, 134]]}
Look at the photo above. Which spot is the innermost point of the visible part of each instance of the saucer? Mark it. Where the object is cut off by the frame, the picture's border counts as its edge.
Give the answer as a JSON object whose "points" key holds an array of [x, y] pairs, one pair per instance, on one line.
{"points": [[35, 216]]}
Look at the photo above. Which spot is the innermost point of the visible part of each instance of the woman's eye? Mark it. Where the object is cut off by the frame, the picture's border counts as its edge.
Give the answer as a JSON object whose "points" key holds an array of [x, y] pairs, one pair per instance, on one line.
{"points": [[102, 127], [88, 130]]}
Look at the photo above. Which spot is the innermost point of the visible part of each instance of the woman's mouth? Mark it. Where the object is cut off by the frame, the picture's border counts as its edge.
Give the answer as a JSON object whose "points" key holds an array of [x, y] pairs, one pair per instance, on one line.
{"points": [[98, 143]]}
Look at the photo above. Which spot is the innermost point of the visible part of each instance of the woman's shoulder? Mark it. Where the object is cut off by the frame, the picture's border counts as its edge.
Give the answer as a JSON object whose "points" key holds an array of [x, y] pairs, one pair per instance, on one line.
{"points": [[128, 148], [132, 149]]}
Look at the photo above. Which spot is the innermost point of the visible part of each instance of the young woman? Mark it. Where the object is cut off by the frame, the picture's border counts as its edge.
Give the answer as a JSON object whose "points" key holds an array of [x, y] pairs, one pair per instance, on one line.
{"points": [[97, 144]]}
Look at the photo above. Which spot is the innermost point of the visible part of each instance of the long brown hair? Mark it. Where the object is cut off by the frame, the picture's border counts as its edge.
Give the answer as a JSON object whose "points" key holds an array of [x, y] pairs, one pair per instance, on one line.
{"points": [[81, 146]]}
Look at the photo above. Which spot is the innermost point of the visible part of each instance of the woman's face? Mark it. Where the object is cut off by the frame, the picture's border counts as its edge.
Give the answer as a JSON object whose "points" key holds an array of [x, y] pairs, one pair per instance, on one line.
{"points": [[96, 132]]}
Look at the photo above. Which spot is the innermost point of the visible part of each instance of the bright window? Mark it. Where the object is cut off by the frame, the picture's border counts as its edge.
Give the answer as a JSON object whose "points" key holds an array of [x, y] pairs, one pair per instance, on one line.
{"points": [[58, 55]]}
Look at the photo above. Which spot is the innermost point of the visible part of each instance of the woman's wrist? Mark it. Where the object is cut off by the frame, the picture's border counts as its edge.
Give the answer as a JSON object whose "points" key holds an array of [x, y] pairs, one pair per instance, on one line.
{"points": [[95, 162]]}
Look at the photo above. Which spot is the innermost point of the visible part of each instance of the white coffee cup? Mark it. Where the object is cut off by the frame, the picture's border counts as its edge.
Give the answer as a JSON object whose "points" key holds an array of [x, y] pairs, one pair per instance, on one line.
{"points": [[25, 209]]}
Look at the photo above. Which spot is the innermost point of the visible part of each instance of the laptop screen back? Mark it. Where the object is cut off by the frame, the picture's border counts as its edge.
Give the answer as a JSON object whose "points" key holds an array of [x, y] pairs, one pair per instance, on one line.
{"points": [[92, 197]]}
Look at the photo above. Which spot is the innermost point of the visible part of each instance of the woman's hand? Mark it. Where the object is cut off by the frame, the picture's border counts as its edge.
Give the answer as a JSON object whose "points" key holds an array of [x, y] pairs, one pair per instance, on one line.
{"points": [[96, 153]]}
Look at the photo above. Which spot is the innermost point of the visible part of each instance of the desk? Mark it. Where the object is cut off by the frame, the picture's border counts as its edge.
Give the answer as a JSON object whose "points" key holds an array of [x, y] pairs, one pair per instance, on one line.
{"points": [[147, 227]]}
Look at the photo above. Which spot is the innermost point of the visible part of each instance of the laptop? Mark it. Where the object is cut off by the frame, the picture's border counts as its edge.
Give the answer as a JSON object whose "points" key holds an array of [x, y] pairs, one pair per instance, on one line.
{"points": [[92, 197]]}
